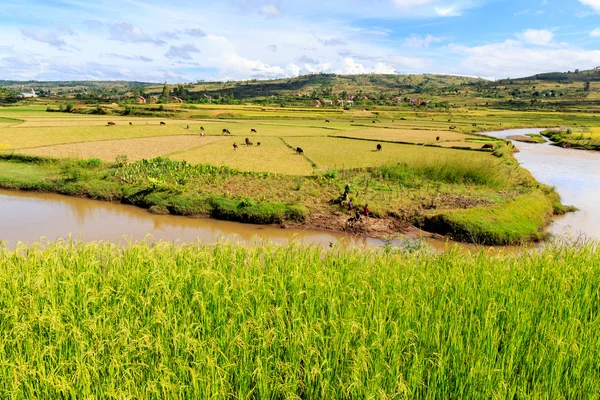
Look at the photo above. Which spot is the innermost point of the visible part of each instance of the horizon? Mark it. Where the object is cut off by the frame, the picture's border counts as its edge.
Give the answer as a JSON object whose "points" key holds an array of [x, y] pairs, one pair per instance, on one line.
{"points": [[273, 39]]}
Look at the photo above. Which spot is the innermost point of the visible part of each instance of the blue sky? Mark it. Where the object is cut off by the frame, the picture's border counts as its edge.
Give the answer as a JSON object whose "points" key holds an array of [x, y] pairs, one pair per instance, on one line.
{"points": [[185, 41]]}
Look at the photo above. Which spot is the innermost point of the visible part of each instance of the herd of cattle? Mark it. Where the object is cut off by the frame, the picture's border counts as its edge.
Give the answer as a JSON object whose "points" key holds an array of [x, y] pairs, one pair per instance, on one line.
{"points": [[299, 151]]}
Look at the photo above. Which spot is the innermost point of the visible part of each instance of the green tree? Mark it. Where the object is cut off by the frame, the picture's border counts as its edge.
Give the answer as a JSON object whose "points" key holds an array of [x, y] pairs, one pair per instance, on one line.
{"points": [[586, 86], [166, 93]]}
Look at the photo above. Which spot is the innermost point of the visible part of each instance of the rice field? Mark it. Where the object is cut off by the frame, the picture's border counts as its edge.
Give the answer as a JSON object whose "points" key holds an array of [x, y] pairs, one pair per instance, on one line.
{"points": [[102, 321], [411, 136], [134, 149], [272, 155]]}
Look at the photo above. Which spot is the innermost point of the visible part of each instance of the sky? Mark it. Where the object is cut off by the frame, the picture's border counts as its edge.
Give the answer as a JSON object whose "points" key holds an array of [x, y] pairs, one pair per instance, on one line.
{"points": [[186, 41]]}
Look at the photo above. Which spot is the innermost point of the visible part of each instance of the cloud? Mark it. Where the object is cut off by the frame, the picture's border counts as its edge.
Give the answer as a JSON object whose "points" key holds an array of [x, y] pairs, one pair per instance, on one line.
{"points": [[537, 37], [93, 25], [440, 8], [331, 42], [595, 33], [196, 32], [417, 41], [271, 10], [129, 58], [129, 33], [45, 37], [182, 52], [506, 59], [595, 4], [272, 48], [306, 60]]}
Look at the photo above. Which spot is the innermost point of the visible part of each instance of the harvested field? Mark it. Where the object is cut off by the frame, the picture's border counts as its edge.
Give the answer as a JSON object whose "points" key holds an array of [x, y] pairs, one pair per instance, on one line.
{"points": [[134, 149]]}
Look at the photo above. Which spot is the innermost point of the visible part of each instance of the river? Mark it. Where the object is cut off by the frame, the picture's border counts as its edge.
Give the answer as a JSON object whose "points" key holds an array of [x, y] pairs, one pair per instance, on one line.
{"points": [[27, 217]]}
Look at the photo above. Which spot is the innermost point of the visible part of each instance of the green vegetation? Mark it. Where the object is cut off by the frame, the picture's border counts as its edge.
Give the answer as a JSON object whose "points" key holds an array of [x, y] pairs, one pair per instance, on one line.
{"points": [[577, 139], [226, 321]]}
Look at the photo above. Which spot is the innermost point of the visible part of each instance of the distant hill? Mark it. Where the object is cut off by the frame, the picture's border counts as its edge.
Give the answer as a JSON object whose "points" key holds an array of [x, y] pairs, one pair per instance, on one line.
{"points": [[592, 75]]}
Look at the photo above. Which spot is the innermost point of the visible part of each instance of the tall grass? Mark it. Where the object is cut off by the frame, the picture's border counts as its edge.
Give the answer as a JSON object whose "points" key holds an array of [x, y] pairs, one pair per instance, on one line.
{"points": [[223, 322]]}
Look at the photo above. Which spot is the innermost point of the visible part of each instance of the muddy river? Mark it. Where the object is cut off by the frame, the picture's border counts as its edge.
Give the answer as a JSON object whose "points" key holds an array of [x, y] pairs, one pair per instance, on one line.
{"points": [[29, 217]]}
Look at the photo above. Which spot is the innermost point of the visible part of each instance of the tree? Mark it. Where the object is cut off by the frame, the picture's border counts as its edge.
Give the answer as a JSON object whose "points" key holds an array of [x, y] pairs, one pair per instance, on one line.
{"points": [[166, 93], [586, 86]]}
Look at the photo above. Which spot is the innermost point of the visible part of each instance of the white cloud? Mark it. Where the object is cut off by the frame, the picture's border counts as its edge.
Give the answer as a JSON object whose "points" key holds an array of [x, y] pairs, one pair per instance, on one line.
{"points": [[595, 33], [512, 59], [270, 10], [125, 32], [45, 37], [417, 41], [537, 37], [595, 4], [446, 11], [182, 52]]}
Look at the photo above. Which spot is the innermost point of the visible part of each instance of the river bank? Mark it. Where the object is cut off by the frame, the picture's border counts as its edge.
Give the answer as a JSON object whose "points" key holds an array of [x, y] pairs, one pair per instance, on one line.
{"points": [[497, 204]]}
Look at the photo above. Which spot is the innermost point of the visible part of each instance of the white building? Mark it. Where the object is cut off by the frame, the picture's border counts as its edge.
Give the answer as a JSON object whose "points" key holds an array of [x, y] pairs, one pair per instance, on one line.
{"points": [[27, 94]]}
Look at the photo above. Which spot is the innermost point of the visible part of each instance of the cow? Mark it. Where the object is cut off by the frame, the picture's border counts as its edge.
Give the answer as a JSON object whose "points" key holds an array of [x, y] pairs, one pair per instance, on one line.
{"points": [[257, 143], [327, 120], [378, 147], [351, 120], [474, 124], [226, 131], [248, 142], [202, 134], [299, 151], [235, 146], [373, 121], [437, 138], [449, 120], [252, 130], [111, 123], [130, 123], [163, 123], [202, 128], [188, 127], [488, 146], [452, 127]]}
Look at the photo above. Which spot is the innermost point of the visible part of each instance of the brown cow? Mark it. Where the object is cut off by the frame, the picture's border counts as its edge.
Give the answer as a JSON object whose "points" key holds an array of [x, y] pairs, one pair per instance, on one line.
{"points": [[248, 142], [488, 146], [235, 146], [452, 127], [437, 138], [111, 123]]}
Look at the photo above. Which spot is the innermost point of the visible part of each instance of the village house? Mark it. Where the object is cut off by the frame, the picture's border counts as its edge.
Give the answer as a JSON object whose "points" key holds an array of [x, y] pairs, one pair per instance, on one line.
{"points": [[175, 99], [153, 99], [339, 103], [317, 103], [141, 100], [27, 95]]}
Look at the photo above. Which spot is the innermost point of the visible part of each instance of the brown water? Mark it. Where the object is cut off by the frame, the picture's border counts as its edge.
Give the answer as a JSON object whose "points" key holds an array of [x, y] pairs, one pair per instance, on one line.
{"points": [[576, 176], [28, 217]]}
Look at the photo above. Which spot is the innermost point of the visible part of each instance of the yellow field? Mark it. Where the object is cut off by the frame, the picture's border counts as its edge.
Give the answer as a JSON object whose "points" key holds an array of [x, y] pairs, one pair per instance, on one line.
{"points": [[347, 153], [593, 134], [272, 155], [401, 135], [134, 149]]}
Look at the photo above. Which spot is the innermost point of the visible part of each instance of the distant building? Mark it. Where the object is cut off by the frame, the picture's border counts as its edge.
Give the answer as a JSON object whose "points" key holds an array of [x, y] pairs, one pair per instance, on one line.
{"points": [[174, 99], [316, 103], [25, 95], [141, 100], [153, 99]]}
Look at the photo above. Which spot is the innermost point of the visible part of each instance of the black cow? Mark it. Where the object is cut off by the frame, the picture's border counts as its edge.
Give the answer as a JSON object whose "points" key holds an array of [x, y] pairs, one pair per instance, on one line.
{"points": [[163, 123], [130, 123], [253, 130], [437, 138], [378, 147], [299, 150], [488, 146], [235, 146], [248, 142], [326, 120], [226, 131]]}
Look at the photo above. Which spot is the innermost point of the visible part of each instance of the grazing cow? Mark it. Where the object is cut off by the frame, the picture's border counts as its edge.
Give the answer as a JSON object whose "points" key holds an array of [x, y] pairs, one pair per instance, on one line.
{"points": [[488, 146], [257, 143], [202, 134], [449, 120], [299, 151], [248, 142], [437, 138], [235, 146], [373, 121], [202, 128], [452, 127], [130, 123], [402, 119], [111, 123], [351, 120], [327, 120], [226, 131], [378, 147], [253, 130], [163, 123]]}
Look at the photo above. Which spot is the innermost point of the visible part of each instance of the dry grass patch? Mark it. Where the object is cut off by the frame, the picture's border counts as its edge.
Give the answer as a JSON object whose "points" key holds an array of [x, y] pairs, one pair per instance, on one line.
{"points": [[134, 149], [471, 145], [69, 121], [271, 156]]}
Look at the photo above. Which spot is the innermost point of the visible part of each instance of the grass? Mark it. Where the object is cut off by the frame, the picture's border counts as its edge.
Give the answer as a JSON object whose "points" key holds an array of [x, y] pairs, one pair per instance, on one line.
{"points": [[411, 136], [102, 321]]}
